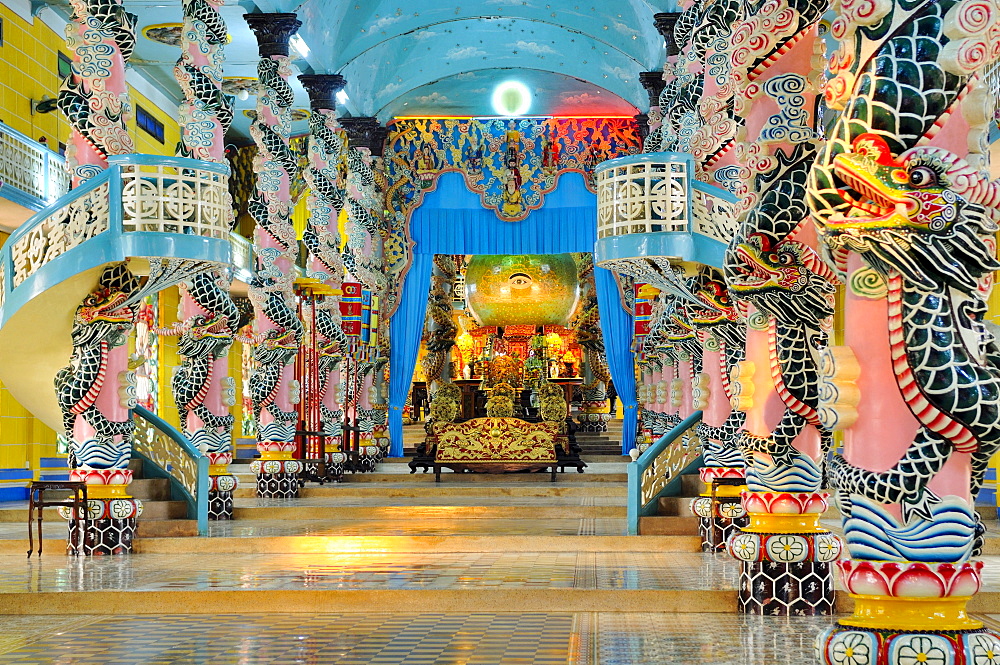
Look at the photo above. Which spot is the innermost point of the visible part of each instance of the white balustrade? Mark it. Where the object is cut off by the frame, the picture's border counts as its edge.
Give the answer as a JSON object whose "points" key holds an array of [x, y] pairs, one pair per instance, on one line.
{"points": [[70, 225], [642, 195], [31, 167], [714, 216], [171, 199], [670, 461]]}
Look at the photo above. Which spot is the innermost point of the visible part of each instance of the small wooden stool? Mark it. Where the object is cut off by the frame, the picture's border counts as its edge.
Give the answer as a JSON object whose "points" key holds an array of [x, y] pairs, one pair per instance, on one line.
{"points": [[78, 502]]}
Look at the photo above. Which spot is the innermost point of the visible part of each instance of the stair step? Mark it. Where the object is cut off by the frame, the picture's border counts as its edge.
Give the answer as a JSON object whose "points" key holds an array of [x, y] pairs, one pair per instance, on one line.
{"points": [[163, 510], [450, 512], [169, 528], [668, 526], [150, 489], [349, 489]]}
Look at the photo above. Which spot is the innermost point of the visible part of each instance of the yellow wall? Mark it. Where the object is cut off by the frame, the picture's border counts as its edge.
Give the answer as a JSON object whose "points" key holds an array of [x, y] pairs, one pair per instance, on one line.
{"points": [[28, 70], [22, 437], [166, 406]]}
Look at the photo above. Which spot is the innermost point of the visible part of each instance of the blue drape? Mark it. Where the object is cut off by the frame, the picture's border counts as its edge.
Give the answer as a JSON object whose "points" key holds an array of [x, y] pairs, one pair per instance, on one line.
{"points": [[406, 328], [617, 325], [452, 220]]}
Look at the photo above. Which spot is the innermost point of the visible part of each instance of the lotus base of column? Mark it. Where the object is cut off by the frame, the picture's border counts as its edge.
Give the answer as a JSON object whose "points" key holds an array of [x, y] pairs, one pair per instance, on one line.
{"points": [[910, 612], [277, 479], [847, 644], [110, 529], [719, 517], [785, 556]]}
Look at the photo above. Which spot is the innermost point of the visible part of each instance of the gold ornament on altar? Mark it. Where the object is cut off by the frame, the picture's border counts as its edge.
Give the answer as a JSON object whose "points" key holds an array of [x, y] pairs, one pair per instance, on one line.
{"points": [[444, 406], [552, 403], [537, 289], [501, 401]]}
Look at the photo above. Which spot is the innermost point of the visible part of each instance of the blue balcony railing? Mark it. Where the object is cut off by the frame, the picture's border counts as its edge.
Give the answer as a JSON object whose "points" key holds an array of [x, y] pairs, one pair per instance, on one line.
{"points": [[31, 175]]}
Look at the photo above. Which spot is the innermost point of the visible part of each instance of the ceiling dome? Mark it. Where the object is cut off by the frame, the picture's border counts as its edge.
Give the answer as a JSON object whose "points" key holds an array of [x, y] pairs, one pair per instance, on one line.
{"points": [[538, 289]]}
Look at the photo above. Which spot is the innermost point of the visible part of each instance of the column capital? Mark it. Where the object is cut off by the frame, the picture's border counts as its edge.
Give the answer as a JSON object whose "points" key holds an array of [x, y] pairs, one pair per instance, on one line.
{"points": [[643, 121], [322, 89], [665, 22], [365, 132], [273, 32], [653, 83]]}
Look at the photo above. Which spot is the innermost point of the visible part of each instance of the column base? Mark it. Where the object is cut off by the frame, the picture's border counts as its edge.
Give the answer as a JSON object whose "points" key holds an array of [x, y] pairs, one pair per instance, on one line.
{"points": [[723, 528], [593, 422], [368, 458], [335, 461], [847, 644], [220, 496], [110, 529], [104, 536], [278, 485], [220, 505], [771, 588]]}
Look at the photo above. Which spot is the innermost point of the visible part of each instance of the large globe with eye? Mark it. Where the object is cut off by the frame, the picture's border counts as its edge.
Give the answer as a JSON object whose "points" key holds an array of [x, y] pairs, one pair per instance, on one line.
{"points": [[539, 289]]}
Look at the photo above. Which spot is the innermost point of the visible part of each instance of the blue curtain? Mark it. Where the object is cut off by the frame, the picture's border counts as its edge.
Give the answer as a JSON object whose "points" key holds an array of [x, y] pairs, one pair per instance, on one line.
{"points": [[617, 326], [405, 329], [452, 220]]}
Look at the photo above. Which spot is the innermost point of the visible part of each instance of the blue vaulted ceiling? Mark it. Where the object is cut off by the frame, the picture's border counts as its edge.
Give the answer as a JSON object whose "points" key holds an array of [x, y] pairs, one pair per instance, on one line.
{"points": [[441, 57]]}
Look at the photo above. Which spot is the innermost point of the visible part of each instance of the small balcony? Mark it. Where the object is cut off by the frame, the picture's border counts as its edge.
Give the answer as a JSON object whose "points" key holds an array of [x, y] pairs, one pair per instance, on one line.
{"points": [[652, 213], [31, 177]]}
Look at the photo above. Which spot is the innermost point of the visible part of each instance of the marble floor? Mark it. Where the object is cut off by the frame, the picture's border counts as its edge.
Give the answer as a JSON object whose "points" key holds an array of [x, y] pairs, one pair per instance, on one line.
{"points": [[371, 571], [415, 639]]}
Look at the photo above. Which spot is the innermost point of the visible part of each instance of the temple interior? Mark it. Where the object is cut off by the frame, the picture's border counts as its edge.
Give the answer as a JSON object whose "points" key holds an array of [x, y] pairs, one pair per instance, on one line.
{"points": [[503, 332]]}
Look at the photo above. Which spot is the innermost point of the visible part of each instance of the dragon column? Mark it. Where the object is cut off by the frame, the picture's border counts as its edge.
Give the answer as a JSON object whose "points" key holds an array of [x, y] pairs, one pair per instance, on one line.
{"points": [[93, 390], [274, 391], [326, 266], [905, 209], [202, 387], [94, 97], [365, 264]]}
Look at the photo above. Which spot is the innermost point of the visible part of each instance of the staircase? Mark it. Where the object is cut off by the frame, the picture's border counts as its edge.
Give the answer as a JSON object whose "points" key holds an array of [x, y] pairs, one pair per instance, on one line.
{"points": [[162, 517]]}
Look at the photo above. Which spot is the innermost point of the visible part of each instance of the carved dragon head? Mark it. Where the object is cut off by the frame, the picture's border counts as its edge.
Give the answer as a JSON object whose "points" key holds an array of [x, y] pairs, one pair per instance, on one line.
{"points": [[783, 278], [106, 314], [925, 214], [714, 307], [207, 336], [279, 345]]}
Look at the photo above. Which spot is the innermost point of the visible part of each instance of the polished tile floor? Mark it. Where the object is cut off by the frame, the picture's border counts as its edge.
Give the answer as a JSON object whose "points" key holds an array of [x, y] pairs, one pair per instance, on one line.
{"points": [[370, 571], [414, 639]]}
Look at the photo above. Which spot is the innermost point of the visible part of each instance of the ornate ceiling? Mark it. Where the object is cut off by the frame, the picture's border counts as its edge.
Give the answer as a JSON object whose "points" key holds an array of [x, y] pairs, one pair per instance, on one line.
{"points": [[439, 57]]}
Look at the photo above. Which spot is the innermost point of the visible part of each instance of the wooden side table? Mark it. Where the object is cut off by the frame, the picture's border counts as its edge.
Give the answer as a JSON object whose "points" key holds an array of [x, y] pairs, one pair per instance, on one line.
{"points": [[78, 502]]}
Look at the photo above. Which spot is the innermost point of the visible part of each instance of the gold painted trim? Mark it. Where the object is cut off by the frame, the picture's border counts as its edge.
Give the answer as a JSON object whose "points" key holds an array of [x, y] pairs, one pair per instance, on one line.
{"points": [[933, 614], [784, 523]]}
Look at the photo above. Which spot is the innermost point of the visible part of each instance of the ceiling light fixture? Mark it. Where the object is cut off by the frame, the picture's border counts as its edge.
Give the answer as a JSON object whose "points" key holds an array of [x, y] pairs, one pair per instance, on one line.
{"points": [[511, 98]]}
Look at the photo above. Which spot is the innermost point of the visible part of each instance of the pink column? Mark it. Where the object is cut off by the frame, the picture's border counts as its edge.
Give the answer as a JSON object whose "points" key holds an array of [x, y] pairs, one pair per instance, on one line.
{"points": [[774, 269], [95, 403], [909, 217], [365, 263], [274, 389], [95, 96], [326, 266], [203, 389]]}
